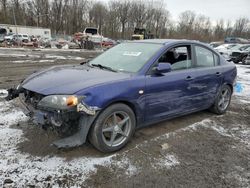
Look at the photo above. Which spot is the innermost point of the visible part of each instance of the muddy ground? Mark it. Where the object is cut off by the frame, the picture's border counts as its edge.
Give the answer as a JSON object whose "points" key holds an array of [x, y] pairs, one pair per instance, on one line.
{"points": [[197, 150]]}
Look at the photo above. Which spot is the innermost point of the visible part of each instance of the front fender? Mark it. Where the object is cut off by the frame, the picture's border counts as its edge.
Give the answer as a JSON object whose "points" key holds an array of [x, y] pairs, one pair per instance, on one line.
{"points": [[128, 91]]}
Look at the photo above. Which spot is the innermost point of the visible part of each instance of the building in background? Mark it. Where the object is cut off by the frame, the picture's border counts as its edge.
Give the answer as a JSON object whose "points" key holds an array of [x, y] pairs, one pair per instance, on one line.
{"points": [[29, 30]]}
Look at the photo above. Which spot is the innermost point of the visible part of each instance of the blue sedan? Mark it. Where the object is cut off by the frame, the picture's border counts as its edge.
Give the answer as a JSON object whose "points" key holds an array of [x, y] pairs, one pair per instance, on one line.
{"points": [[132, 85]]}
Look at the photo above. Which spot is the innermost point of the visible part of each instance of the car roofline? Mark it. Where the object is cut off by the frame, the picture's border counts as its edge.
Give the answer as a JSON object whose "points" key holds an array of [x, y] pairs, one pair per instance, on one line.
{"points": [[164, 41]]}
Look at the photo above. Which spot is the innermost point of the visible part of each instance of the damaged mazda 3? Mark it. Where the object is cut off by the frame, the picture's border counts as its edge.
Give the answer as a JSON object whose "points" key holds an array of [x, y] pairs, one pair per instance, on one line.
{"points": [[132, 85]]}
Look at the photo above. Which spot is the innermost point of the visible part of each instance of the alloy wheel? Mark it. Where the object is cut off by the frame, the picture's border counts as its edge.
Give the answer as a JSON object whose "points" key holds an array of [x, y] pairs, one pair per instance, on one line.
{"points": [[116, 128], [224, 98]]}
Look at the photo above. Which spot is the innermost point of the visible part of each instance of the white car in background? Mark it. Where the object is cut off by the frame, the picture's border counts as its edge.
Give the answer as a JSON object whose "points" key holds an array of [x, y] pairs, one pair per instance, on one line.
{"points": [[21, 37], [225, 49], [9, 37]]}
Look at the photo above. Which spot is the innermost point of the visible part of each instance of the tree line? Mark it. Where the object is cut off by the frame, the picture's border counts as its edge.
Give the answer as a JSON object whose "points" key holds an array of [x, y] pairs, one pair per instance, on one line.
{"points": [[118, 18]]}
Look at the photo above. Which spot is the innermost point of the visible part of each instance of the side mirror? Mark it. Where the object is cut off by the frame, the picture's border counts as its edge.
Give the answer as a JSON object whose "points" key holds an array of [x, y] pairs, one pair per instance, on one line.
{"points": [[163, 68]]}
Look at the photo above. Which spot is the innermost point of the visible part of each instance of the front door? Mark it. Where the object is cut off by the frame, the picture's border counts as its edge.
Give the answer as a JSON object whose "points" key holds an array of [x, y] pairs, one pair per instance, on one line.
{"points": [[171, 93]]}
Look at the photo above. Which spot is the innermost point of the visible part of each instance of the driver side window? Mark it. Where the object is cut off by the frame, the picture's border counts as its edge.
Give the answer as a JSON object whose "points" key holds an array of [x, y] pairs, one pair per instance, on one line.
{"points": [[179, 57]]}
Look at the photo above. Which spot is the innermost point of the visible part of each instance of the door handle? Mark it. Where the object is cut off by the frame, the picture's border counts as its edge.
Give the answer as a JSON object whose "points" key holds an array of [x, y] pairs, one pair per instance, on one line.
{"points": [[188, 78], [218, 73]]}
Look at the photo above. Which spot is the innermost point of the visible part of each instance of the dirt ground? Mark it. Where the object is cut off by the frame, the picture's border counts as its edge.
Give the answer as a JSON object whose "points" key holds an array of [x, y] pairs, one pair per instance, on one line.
{"points": [[197, 150]]}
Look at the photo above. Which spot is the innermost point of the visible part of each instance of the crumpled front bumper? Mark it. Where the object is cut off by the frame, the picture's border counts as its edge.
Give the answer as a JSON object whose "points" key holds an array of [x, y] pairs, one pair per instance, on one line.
{"points": [[56, 118]]}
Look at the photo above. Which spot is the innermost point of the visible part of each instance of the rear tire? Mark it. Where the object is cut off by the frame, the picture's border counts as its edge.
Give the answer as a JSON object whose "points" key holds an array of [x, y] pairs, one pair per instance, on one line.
{"points": [[113, 128], [222, 100]]}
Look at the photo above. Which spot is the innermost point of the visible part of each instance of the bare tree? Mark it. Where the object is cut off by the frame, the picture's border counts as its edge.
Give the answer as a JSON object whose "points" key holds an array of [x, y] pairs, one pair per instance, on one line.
{"points": [[123, 13], [241, 26], [186, 23], [3, 10], [219, 30], [97, 15], [113, 21]]}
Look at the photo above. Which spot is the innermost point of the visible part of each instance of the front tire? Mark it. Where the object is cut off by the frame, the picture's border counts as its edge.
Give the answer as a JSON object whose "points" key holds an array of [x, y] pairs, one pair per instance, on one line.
{"points": [[222, 100], [113, 128]]}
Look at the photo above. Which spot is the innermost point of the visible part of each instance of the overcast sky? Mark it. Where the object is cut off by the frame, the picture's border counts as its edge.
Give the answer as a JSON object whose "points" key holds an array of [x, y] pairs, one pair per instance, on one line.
{"points": [[215, 9]]}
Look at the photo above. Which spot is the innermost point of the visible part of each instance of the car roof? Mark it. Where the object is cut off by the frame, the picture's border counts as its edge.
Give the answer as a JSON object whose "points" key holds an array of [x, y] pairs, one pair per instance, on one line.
{"points": [[165, 41]]}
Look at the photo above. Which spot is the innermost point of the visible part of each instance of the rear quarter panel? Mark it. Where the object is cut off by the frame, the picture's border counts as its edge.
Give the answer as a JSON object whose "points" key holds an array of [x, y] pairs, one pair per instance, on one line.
{"points": [[229, 72]]}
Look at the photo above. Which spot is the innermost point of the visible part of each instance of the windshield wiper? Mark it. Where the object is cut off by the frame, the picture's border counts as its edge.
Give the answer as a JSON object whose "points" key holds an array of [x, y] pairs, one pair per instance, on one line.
{"points": [[104, 67]]}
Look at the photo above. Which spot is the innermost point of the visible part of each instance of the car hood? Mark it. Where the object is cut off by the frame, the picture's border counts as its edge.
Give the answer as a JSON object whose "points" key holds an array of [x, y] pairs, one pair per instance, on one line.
{"points": [[69, 79]]}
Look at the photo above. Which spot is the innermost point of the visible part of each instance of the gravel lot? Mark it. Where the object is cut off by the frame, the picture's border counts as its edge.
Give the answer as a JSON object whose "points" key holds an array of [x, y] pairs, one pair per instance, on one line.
{"points": [[197, 150]]}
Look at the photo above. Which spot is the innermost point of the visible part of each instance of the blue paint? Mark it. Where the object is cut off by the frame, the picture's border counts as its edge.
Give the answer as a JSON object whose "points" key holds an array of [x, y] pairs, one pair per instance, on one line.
{"points": [[238, 88]]}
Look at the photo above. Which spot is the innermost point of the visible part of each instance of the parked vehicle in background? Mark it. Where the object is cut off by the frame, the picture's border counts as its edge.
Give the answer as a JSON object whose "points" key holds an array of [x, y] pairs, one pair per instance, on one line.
{"points": [[108, 43], [225, 46], [90, 31], [25, 38], [216, 44], [9, 37], [141, 33], [227, 53], [20, 38], [132, 85], [224, 49], [240, 55], [236, 40]]}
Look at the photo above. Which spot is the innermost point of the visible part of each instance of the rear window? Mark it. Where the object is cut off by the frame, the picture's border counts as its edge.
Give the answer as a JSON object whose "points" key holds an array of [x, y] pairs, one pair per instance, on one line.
{"points": [[205, 57], [92, 31]]}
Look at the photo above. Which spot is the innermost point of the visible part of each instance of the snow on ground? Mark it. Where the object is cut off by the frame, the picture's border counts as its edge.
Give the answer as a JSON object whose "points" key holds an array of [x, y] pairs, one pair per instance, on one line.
{"points": [[47, 56], [24, 169], [18, 55], [243, 81], [49, 49], [34, 61], [28, 57]]}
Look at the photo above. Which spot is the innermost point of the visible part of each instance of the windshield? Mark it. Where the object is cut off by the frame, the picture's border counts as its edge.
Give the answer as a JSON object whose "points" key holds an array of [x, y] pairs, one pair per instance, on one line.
{"points": [[236, 47], [127, 57], [247, 49], [244, 47], [230, 46]]}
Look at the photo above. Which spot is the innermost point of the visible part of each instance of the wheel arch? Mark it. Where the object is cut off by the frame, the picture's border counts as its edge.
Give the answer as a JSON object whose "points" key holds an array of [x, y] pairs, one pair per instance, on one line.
{"points": [[129, 104], [230, 85]]}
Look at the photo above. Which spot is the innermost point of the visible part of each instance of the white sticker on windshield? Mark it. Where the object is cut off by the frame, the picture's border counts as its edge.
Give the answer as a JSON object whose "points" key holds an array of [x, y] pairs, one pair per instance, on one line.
{"points": [[135, 54]]}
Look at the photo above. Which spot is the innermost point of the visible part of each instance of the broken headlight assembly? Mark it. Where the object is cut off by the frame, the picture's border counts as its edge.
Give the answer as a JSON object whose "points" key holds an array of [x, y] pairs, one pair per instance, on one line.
{"points": [[64, 102], [60, 102]]}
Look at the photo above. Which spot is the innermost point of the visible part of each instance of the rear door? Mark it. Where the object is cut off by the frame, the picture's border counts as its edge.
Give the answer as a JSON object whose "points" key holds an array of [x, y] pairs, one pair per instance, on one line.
{"points": [[208, 76]]}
